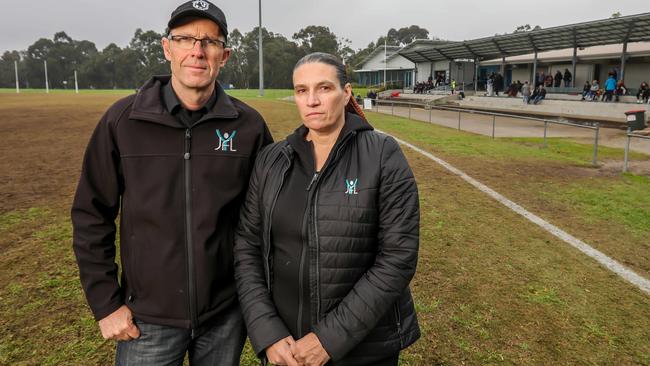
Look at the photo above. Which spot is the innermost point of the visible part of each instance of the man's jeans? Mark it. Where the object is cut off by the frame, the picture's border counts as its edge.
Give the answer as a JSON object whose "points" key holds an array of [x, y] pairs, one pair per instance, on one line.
{"points": [[220, 344]]}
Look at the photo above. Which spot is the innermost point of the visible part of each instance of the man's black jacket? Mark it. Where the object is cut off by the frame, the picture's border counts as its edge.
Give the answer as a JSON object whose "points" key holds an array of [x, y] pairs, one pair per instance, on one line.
{"points": [[363, 215], [178, 191]]}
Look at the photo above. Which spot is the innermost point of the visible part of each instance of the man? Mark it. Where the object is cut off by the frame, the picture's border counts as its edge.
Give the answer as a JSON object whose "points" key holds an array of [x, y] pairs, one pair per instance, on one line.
{"points": [[174, 160]]}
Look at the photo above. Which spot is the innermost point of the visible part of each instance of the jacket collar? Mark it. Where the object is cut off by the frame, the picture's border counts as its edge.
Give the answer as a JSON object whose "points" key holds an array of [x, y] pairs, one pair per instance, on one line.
{"points": [[149, 105]]}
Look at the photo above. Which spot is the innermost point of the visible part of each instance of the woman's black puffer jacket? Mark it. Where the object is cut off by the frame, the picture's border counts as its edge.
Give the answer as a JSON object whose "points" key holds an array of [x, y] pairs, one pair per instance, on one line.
{"points": [[363, 244]]}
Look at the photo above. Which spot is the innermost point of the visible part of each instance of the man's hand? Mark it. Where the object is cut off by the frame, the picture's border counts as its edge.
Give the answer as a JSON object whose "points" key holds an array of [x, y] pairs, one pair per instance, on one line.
{"points": [[119, 325], [309, 351], [280, 352]]}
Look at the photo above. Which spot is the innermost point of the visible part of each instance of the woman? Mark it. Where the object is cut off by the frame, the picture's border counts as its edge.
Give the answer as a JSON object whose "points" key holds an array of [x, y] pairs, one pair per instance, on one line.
{"points": [[328, 236]]}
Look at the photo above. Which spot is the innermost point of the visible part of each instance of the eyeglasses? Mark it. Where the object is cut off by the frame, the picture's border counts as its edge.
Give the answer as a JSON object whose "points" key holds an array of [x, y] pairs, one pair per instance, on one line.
{"points": [[208, 44]]}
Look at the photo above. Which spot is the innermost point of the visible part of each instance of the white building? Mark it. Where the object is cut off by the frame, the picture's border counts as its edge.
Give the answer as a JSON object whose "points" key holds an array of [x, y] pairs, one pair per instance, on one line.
{"points": [[399, 71]]}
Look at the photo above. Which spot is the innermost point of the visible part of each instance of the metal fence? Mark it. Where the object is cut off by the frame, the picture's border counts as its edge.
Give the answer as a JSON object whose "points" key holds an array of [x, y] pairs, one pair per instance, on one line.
{"points": [[630, 136], [427, 106]]}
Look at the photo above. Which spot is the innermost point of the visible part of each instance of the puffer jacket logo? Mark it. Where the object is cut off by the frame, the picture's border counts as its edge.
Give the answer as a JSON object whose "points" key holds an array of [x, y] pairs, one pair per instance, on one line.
{"points": [[351, 186]]}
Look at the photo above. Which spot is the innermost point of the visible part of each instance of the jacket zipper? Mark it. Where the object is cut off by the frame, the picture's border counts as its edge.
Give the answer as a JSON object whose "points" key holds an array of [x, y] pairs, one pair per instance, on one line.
{"points": [[398, 320], [302, 264], [188, 231]]}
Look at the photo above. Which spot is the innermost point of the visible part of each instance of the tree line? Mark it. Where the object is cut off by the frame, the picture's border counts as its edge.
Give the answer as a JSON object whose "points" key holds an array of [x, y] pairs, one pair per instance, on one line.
{"points": [[116, 67]]}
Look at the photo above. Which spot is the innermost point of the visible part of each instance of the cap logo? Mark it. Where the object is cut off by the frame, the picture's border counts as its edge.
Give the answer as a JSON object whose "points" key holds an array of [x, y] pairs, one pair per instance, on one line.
{"points": [[201, 5]]}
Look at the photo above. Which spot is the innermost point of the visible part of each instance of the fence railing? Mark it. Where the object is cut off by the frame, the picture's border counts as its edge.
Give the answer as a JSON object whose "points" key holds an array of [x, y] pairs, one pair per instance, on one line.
{"points": [[631, 136], [428, 106]]}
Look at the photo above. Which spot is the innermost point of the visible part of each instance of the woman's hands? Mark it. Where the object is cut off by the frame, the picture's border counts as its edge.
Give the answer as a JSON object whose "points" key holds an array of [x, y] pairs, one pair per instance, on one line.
{"points": [[309, 351], [280, 352]]}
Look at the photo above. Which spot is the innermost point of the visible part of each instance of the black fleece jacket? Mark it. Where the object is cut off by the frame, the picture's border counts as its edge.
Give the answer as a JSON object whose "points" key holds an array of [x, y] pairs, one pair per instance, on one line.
{"points": [[178, 191]]}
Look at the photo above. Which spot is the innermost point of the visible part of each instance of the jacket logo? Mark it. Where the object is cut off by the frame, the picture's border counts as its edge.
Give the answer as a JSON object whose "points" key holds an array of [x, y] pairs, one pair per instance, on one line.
{"points": [[200, 4], [226, 141], [351, 186]]}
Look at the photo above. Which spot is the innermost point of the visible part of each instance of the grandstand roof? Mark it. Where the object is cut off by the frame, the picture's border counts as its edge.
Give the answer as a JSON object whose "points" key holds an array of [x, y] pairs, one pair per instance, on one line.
{"points": [[633, 28]]}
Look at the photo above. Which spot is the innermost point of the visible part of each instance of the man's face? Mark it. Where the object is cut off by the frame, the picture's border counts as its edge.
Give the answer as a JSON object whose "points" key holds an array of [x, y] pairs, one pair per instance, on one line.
{"points": [[198, 67]]}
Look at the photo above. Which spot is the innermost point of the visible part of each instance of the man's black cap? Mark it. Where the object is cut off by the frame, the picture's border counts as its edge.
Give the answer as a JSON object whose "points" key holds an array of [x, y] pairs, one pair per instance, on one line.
{"points": [[200, 9]]}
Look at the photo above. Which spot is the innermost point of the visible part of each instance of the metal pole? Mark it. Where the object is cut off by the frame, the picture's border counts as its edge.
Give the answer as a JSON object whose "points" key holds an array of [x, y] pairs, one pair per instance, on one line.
{"points": [[76, 84], [545, 132], [392, 109], [261, 52], [47, 85], [534, 83], [574, 62], [622, 76], [627, 151], [494, 125], [16, 69], [409, 110], [385, 61], [503, 74], [595, 162], [458, 120], [476, 65], [430, 109]]}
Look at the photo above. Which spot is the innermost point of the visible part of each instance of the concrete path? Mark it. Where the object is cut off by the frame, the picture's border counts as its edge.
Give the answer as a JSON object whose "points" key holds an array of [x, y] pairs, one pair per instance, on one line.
{"points": [[516, 127]]}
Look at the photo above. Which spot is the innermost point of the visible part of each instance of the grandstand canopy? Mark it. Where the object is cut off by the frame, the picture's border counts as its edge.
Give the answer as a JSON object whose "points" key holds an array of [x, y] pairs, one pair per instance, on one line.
{"points": [[628, 29]]}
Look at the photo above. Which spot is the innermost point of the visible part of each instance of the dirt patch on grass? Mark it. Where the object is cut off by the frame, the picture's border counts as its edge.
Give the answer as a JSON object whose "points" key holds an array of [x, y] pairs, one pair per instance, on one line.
{"points": [[44, 137]]}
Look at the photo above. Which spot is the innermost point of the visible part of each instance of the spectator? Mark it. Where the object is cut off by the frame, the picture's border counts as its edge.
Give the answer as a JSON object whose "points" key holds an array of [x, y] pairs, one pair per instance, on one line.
{"points": [[620, 90], [585, 90], [558, 79], [567, 78], [643, 94], [513, 89], [540, 79], [593, 91], [453, 86], [498, 83], [548, 81], [540, 95], [525, 91], [359, 99], [610, 87], [490, 85]]}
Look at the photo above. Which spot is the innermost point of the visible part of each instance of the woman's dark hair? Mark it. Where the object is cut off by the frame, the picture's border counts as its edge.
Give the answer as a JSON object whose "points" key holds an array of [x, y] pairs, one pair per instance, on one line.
{"points": [[341, 75], [328, 59]]}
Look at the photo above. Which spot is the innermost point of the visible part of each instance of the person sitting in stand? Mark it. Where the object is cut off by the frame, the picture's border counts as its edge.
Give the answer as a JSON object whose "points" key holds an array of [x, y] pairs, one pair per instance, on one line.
{"points": [[593, 91], [540, 96], [643, 94], [620, 90], [585, 90]]}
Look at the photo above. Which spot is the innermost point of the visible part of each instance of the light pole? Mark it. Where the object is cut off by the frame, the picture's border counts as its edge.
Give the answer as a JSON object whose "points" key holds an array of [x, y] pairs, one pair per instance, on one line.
{"points": [[16, 69], [76, 83], [261, 52], [47, 85]]}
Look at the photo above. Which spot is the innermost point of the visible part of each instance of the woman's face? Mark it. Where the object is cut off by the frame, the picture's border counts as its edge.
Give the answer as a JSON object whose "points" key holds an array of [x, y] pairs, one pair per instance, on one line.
{"points": [[320, 99]]}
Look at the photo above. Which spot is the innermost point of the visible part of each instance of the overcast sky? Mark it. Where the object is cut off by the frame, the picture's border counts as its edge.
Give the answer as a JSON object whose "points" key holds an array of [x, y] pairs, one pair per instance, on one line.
{"points": [[361, 21]]}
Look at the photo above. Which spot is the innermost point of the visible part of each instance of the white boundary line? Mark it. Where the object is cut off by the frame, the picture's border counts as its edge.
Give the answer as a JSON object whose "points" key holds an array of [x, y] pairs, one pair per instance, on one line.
{"points": [[609, 263]]}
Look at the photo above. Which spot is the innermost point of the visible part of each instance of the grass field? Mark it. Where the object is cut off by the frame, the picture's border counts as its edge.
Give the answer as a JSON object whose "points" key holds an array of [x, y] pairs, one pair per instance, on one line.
{"points": [[490, 288]]}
